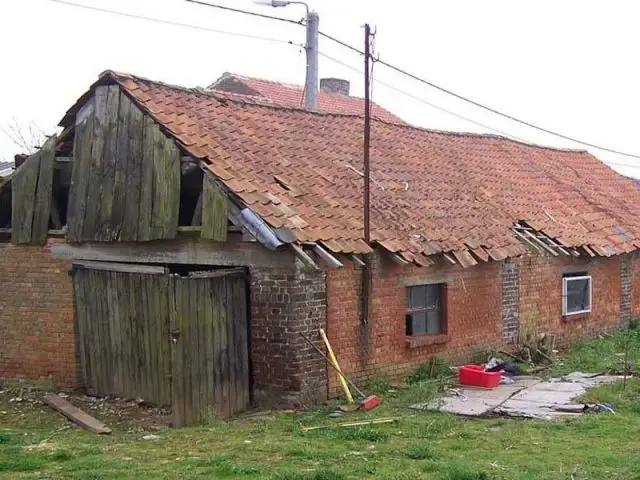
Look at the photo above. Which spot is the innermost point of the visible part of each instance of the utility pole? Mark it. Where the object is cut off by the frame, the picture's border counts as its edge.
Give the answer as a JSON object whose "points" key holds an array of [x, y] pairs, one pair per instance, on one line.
{"points": [[311, 49], [367, 131], [366, 269]]}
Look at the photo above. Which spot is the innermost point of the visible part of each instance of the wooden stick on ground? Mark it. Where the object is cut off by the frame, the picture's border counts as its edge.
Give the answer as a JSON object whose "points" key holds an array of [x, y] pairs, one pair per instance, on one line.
{"points": [[353, 424], [76, 415]]}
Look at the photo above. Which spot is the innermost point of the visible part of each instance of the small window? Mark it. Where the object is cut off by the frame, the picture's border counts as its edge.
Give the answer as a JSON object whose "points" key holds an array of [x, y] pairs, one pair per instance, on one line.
{"points": [[576, 294], [425, 311]]}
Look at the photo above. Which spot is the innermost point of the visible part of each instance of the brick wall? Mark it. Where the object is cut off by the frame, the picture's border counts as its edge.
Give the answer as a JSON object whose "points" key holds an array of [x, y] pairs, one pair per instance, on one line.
{"points": [[380, 348], [36, 316], [625, 290], [285, 302], [541, 295], [510, 300], [635, 285]]}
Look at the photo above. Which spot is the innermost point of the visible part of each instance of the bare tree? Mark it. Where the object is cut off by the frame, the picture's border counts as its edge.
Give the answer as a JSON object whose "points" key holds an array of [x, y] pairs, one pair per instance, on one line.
{"points": [[28, 137]]}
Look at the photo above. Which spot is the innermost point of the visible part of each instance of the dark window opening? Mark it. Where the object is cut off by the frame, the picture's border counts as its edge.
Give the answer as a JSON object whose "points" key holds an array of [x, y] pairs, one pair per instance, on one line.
{"points": [[5, 205], [426, 310], [190, 190], [576, 293]]}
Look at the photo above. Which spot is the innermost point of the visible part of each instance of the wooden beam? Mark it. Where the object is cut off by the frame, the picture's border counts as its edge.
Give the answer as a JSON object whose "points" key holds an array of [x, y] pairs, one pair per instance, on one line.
{"points": [[196, 219], [326, 257], [76, 415], [304, 258], [217, 273], [183, 250], [120, 267], [449, 257], [526, 240], [542, 244], [55, 215], [189, 229]]}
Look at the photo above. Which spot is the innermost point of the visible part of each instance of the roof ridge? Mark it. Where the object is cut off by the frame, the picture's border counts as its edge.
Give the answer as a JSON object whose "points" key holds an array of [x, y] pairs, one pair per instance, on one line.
{"points": [[263, 102]]}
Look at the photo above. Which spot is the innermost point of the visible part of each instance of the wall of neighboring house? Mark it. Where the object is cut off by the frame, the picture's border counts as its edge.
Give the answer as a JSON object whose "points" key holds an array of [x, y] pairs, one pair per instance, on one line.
{"points": [[488, 305], [36, 315]]}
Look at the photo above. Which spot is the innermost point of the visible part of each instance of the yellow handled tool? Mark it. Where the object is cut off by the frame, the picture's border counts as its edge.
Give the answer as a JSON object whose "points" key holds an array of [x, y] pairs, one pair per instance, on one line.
{"points": [[334, 360]]}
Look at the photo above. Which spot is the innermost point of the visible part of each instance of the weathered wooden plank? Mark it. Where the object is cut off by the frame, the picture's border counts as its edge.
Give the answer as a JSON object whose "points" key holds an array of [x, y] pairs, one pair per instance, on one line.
{"points": [[171, 199], [23, 194], [92, 331], [215, 210], [194, 353], [76, 415], [131, 358], [177, 355], [120, 167], [106, 229], [120, 267], [124, 301], [206, 332], [134, 166], [242, 339], [102, 340], [117, 331], [82, 324], [218, 348], [196, 219], [82, 147], [234, 366], [225, 364], [146, 370], [145, 212], [203, 350], [44, 193], [94, 177]]}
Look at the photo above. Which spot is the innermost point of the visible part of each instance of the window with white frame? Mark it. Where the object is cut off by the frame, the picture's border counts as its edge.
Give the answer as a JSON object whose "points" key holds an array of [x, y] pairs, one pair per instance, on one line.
{"points": [[576, 293]]}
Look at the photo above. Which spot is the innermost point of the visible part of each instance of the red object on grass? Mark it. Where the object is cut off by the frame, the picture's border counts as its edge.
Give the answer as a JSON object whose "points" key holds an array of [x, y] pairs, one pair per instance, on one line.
{"points": [[369, 403], [476, 376]]}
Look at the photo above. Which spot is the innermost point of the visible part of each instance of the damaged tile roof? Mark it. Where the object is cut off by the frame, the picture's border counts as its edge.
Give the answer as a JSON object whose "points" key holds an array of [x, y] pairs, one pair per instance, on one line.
{"points": [[431, 191], [293, 96]]}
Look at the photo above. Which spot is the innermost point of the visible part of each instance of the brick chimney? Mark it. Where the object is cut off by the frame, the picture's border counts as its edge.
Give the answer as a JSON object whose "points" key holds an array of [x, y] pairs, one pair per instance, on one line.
{"points": [[334, 85]]}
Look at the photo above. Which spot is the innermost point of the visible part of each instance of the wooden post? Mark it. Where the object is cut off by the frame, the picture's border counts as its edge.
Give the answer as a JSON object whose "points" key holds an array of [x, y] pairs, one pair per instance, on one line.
{"points": [[334, 360]]}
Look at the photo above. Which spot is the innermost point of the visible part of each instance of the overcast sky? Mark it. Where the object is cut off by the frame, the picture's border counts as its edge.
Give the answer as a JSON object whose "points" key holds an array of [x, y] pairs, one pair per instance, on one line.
{"points": [[570, 66]]}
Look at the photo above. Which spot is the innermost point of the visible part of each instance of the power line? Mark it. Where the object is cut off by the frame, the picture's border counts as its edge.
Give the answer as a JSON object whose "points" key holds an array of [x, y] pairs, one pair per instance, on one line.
{"points": [[449, 112], [480, 105], [246, 12], [414, 97], [169, 22]]}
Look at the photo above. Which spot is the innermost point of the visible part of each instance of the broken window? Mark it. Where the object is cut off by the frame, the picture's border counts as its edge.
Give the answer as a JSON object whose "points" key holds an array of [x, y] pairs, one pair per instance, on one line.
{"points": [[425, 310], [576, 294]]}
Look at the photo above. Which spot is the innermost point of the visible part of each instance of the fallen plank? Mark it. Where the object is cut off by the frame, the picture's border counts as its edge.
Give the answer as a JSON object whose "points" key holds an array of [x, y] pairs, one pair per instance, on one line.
{"points": [[76, 415]]}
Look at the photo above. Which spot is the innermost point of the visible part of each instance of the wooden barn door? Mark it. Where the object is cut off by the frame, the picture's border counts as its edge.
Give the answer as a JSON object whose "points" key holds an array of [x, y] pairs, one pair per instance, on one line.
{"points": [[210, 355], [171, 340], [123, 333]]}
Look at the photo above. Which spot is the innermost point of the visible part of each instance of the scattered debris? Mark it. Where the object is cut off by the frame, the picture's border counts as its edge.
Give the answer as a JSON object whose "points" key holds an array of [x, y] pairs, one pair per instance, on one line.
{"points": [[369, 402], [76, 415], [151, 437], [527, 397], [352, 424], [336, 414]]}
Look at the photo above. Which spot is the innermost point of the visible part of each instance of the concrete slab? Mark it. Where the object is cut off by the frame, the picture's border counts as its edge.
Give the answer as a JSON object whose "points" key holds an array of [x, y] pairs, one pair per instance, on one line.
{"points": [[475, 402], [528, 397]]}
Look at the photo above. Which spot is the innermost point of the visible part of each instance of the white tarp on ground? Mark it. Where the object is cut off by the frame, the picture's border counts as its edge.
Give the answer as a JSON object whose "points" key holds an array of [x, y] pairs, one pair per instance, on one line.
{"points": [[527, 397]]}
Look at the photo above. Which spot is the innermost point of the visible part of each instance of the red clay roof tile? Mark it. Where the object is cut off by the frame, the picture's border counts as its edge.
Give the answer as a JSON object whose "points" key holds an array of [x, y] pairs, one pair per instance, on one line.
{"points": [[433, 191]]}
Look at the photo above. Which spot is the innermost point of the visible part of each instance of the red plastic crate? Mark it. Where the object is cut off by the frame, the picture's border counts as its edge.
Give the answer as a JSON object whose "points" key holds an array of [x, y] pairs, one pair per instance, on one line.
{"points": [[476, 376]]}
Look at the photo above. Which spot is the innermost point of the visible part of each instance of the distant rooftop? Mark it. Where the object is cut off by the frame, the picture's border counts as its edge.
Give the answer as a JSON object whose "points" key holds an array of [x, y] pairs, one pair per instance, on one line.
{"points": [[333, 96]]}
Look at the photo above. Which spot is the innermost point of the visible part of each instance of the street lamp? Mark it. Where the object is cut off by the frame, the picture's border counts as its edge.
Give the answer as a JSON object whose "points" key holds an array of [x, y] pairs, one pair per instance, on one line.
{"points": [[311, 49]]}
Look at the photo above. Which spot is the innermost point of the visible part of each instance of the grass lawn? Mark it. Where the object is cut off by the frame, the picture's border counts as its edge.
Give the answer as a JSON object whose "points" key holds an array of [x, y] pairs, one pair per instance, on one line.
{"points": [[37, 443]]}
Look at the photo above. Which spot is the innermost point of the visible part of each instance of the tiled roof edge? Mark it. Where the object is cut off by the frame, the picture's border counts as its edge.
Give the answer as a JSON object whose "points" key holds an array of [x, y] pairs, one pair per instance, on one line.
{"points": [[262, 102]]}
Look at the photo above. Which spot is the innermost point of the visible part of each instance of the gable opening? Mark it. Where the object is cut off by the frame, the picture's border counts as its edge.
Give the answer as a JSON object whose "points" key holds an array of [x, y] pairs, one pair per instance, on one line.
{"points": [[190, 212]]}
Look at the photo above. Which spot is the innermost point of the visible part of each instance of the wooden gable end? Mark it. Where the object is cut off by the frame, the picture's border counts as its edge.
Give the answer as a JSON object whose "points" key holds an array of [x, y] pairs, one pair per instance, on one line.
{"points": [[31, 195], [125, 184]]}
